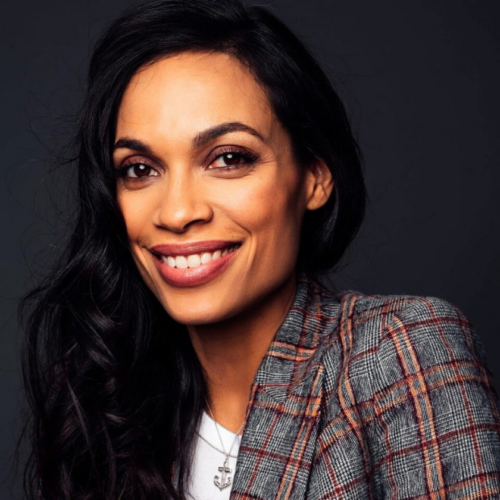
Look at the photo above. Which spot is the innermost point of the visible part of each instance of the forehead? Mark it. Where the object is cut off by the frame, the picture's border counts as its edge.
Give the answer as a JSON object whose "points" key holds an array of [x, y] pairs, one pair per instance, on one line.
{"points": [[179, 95]]}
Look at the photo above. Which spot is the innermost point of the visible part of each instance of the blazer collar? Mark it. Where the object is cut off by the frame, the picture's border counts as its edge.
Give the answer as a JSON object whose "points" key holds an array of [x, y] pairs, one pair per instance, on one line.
{"points": [[285, 367], [286, 399]]}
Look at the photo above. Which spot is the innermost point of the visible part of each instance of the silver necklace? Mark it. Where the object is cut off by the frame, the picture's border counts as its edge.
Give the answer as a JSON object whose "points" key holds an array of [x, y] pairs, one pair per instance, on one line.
{"points": [[214, 447], [224, 480]]}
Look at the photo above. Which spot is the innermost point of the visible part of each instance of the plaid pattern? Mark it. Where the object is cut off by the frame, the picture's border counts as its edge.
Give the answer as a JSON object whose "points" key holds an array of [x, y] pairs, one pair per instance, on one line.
{"points": [[368, 397]]}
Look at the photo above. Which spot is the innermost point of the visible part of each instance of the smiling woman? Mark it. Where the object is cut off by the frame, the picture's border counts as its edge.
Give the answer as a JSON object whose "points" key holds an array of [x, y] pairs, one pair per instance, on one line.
{"points": [[184, 347]]}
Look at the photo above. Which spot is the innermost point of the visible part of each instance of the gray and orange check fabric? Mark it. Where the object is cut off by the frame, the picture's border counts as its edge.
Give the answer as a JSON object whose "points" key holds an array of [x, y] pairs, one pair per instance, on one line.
{"points": [[370, 397]]}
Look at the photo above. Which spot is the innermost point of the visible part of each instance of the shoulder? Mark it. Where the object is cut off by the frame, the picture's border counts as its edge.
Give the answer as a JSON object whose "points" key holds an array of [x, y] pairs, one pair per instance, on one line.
{"points": [[404, 382], [409, 325], [364, 311], [369, 321], [382, 341]]}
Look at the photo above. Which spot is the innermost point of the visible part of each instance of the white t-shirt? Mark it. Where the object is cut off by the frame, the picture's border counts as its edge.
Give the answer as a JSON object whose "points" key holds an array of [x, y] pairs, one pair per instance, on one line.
{"points": [[207, 460]]}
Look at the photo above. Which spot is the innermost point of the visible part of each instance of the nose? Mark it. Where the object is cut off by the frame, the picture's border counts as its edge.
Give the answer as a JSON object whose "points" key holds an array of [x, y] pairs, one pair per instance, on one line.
{"points": [[183, 200]]}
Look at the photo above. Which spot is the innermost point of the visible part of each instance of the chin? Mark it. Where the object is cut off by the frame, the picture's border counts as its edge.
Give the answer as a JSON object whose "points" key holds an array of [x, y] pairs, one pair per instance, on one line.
{"points": [[205, 314]]}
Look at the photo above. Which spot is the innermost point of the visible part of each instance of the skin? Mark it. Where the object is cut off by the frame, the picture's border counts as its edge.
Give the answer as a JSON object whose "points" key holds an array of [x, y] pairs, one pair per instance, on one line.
{"points": [[182, 197]]}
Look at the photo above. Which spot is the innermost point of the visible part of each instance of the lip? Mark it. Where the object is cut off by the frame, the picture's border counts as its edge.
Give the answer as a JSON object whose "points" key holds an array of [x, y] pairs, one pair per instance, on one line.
{"points": [[193, 247], [196, 275]]}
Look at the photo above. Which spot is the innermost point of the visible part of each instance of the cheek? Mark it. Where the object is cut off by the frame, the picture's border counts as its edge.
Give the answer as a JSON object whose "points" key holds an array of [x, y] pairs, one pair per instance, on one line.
{"points": [[136, 210], [269, 209]]}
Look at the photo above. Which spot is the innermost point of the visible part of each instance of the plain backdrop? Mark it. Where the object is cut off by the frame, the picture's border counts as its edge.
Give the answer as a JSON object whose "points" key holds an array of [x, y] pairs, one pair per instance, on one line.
{"points": [[420, 80]]}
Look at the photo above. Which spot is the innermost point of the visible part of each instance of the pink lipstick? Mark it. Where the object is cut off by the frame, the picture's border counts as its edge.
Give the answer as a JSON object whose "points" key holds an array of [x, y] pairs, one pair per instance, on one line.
{"points": [[205, 257]]}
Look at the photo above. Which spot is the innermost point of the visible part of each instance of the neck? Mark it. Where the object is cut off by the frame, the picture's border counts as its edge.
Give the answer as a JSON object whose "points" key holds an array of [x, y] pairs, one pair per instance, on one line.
{"points": [[232, 350]]}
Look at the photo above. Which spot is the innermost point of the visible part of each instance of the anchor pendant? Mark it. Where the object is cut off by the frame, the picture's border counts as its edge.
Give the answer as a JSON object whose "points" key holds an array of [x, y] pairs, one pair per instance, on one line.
{"points": [[224, 481]]}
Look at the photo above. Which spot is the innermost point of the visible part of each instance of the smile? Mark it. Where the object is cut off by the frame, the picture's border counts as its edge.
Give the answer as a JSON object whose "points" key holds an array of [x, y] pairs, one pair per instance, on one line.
{"points": [[196, 259], [194, 269]]}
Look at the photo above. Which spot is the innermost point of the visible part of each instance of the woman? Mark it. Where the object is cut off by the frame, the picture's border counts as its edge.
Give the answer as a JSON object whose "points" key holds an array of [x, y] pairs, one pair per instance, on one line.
{"points": [[183, 347]]}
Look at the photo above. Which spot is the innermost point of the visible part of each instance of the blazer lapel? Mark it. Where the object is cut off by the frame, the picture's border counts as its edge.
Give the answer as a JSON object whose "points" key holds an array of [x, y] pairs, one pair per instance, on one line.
{"points": [[277, 445]]}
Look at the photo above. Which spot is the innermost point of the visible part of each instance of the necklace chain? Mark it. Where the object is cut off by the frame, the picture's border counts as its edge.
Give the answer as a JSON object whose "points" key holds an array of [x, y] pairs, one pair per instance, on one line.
{"points": [[215, 447], [220, 438]]}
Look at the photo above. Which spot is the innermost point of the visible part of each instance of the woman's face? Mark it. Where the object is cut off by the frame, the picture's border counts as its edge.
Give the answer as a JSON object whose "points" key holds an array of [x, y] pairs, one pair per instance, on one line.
{"points": [[204, 158]]}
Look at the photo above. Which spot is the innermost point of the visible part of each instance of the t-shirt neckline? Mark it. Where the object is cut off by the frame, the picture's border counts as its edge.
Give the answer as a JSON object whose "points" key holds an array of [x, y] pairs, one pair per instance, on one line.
{"points": [[209, 432]]}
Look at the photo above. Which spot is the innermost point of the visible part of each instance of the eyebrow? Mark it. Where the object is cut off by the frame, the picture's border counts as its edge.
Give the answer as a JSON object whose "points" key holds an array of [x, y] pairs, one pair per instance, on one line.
{"points": [[199, 140]]}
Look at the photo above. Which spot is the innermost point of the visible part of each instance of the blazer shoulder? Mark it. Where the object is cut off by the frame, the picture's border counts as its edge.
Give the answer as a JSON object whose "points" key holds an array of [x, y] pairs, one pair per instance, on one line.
{"points": [[384, 342], [369, 316], [375, 329], [356, 329], [363, 304], [386, 330], [405, 377]]}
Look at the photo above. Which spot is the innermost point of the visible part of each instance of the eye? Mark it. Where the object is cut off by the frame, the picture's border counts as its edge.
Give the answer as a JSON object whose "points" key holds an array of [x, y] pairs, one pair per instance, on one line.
{"points": [[232, 159], [137, 170]]}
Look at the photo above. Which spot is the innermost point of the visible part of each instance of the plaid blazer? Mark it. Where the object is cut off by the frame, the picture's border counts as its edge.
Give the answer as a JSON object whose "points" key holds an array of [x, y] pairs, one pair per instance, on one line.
{"points": [[369, 397]]}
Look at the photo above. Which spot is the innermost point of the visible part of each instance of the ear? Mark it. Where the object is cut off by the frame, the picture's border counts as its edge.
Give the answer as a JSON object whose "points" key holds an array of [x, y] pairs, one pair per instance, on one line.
{"points": [[319, 181]]}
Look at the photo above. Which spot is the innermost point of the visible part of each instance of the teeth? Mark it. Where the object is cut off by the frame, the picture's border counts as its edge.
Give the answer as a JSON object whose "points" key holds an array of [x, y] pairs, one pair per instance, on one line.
{"points": [[206, 257], [181, 262], [195, 260]]}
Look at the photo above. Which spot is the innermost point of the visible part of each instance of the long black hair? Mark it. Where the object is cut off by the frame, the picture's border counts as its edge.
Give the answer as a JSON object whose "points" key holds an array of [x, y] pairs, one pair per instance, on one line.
{"points": [[114, 386]]}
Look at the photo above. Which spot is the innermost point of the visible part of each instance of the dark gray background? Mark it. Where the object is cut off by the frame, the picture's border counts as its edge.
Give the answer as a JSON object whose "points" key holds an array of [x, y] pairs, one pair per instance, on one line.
{"points": [[421, 81]]}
